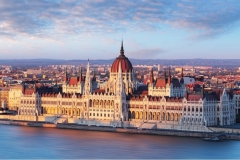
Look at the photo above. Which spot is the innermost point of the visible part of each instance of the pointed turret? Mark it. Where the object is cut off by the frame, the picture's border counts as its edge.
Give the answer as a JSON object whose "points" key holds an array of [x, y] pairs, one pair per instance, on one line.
{"points": [[80, 73], [151, 79], [119, 83], [165, 75], [88, 83], [182, 79], [23, 87], [65, 74], [35, 87], [203, 91], [169, 76], [94, 76], [186, 93]]}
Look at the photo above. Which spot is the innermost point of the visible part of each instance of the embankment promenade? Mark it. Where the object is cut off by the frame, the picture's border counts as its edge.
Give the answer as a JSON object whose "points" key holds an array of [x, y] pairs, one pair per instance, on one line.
{"points": [[228, 132]]}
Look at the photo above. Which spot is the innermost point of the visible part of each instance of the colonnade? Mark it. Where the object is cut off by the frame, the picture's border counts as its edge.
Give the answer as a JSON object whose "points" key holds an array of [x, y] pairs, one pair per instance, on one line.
{"points": [[158, 116]]}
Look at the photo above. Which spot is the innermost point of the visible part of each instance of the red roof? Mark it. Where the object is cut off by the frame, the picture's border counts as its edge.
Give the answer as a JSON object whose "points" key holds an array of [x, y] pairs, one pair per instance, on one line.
{"points": [[194, 97], [160, 82], [73, 81], [29, 91], [126, 65]]}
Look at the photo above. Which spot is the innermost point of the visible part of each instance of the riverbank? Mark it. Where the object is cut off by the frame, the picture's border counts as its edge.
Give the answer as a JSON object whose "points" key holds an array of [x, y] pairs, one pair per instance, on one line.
{"points": [[162, 132]]}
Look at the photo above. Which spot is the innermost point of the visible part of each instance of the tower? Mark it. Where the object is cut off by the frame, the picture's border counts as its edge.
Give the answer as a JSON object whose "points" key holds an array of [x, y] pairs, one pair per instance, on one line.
{"points": [[126, 70], [169, 76], [119, 83], [151, 79], [121, 96], [88, 83], [80, 73]]}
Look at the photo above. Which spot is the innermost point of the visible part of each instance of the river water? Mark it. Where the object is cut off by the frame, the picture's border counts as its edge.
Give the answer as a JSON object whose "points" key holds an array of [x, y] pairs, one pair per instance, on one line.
{"points": [[49, 143]]}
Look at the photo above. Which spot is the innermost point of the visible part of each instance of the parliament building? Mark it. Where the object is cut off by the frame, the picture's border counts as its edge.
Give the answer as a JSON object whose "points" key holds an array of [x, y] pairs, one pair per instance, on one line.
{"points": [[166, 102]]}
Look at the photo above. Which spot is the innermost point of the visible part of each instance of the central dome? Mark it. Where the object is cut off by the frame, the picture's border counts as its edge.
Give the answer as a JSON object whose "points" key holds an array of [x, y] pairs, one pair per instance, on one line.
{"points": [[126, 65]]}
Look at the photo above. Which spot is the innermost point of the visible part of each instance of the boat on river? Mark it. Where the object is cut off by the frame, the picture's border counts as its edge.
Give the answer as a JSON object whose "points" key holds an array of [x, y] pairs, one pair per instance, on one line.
{"points": [[215, 139]]}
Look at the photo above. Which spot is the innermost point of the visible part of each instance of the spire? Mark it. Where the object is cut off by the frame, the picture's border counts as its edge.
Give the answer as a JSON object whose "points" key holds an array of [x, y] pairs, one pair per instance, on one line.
{"points": [[151, 76], [35, 87], [80, 73], [119, 83], [88, 66], [94, 76], [186, 93], [169, 76], [182, 80], [203, 86], [23, 87], [120, 70], [65, 76], [122, 50], [88, 83]]}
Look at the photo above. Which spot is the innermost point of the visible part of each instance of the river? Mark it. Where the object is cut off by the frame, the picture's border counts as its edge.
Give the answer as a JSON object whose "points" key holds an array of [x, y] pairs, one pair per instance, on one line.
{"points": [[49, 143]]}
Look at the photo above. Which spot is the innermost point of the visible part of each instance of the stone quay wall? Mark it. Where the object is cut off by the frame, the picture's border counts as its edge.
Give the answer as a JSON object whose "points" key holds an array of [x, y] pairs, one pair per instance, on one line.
{"points": [[162, 132]]}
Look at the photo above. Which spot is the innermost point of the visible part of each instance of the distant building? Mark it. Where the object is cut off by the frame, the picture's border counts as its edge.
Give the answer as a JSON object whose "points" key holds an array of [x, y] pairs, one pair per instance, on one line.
{"points": [[34, 71], [160, 67], [188, 80]]}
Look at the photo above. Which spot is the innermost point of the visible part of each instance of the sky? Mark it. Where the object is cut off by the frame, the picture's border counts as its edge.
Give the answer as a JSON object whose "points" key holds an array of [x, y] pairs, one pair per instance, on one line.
{"points": [[94, 29]]}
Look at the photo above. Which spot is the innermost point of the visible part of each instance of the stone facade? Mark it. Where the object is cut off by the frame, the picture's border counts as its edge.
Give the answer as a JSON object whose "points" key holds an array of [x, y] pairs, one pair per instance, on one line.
{"points": [[166, 101]]}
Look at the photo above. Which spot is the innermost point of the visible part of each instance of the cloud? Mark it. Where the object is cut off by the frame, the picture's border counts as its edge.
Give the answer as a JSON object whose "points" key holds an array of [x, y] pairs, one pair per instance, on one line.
{"points": [[143, 53], [56, 18]]}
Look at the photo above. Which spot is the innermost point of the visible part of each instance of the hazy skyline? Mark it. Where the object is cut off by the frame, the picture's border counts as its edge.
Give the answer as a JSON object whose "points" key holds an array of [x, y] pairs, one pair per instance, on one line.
{"points": [[73, 29]]}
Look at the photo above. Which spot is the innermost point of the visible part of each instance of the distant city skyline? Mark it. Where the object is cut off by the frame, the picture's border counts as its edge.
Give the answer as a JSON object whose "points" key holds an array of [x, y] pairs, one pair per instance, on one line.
{"points": [[72, 29]]}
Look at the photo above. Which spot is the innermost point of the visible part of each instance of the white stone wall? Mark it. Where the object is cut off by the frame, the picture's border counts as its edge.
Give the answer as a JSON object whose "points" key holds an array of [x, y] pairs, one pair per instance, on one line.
{"points": [[66, 88], [192, 113], [30, 105], [166, 91]]}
